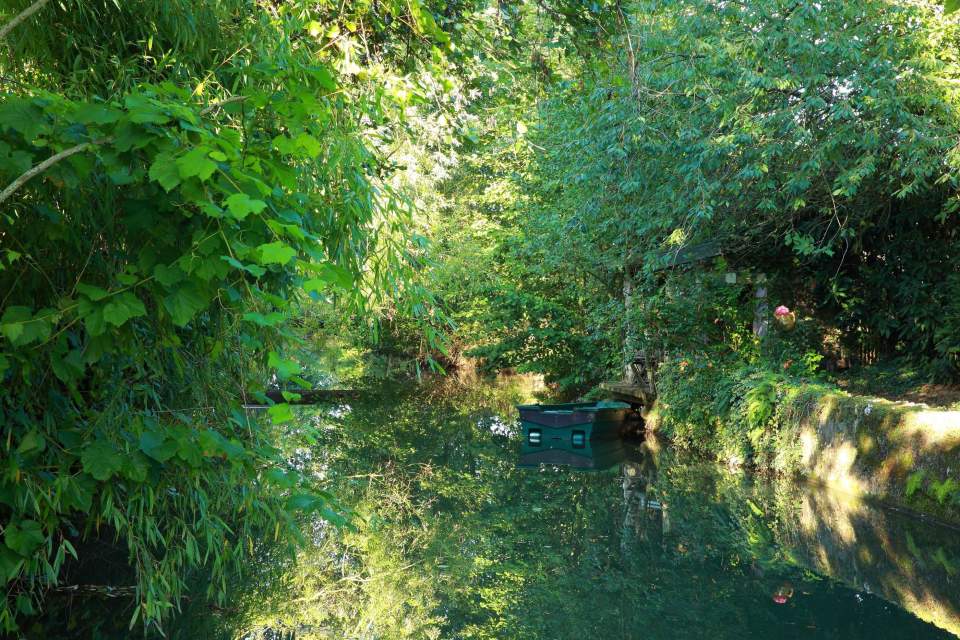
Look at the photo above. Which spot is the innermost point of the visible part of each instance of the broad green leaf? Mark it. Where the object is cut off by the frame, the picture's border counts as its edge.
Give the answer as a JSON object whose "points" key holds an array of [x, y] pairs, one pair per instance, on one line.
{"points": [[79, 492], [95, 113], [10, 563], [21, 327], [21, 115], [949, 6], [323, 77], [189, 452], [196, 162], [168, 275], [282, 478], [158, 446], [101, 460], [136, 467], [23, 536], [31, 442], [13, 322], [280, 413], [304, 502], [241, 205], [164, 170], [271, 319], [276, 253], [285, 368], [122, 307], [184, 303], [92, 292], [92, 315], [253, 269], [144, 111], [308, 144], [327, 273]]}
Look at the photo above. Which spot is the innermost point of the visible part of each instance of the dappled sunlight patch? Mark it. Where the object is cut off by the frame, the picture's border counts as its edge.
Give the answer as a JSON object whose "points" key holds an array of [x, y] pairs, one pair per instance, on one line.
{"points": [[835, 467], [933, 428]]}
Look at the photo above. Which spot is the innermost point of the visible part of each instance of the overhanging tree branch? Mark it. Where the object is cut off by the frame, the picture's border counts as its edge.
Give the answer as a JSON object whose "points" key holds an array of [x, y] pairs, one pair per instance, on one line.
{"points": [[46, 164], [83, 146], [23, 15]]}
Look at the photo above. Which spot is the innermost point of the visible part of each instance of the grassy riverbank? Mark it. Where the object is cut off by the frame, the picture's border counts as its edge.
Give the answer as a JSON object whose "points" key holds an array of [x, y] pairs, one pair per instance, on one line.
{"points": [[905, 453]]}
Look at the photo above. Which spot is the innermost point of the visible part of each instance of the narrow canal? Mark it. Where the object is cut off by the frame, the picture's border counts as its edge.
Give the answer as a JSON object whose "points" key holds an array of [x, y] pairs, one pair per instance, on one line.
{"points": [[453, 540]]}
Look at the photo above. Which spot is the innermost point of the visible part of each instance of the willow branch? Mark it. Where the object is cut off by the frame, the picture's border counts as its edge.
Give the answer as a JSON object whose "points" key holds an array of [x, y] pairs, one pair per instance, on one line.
{"points": [[23, 15], [46, 164]]}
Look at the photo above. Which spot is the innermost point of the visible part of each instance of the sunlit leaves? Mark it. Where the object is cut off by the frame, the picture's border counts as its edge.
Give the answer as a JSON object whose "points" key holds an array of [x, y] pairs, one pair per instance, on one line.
{"points": [[252, 269], [327, 274], [196, 162], [280, 413], [271, 319], [152, 270], [276, 253], [240, 205], [285, 368]]}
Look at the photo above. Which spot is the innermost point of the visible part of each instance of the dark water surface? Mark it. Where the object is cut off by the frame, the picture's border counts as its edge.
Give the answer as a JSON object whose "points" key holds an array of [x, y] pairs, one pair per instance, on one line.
{"points": [[455, 541]]}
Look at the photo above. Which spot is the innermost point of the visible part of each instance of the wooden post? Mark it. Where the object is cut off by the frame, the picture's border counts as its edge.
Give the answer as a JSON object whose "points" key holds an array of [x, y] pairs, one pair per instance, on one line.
{"points": [[761, 312], [629, 335]]}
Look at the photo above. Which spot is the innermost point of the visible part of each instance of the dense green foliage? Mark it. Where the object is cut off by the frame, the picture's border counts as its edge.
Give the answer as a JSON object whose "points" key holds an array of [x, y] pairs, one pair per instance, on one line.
{"points": [[812, 144], [212, 168], [198, 194]]}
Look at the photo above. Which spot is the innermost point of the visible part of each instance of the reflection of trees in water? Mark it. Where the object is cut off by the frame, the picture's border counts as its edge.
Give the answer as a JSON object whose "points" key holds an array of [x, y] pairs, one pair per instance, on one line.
{"points": [[644, 516], [909, 562], [455, 542]]}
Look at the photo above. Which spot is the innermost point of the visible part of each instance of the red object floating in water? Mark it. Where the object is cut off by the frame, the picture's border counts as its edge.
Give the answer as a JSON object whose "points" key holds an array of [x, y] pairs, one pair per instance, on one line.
{"points": [[783, 593]]}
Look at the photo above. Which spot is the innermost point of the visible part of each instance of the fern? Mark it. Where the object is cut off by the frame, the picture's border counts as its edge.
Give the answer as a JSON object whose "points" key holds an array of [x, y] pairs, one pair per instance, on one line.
{"points": [[914, 482], [943, 490]]}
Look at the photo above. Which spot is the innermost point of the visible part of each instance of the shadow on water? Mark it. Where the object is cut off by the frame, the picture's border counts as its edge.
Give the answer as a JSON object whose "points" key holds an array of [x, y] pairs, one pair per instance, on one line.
{"points": [[453, 540]]}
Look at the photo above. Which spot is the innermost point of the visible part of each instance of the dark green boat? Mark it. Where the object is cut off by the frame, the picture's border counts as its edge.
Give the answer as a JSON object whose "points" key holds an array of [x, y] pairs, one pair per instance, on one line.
{"points": [[580, 434], [596, 419]]}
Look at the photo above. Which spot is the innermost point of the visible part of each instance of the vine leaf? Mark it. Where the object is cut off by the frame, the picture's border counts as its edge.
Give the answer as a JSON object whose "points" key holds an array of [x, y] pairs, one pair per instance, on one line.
{"points": [[158, 446], [164, 170], [276, 253], [241, 205], [123, 307], [24, 536], [280, 413], [92, 292], [184, 303], [101, 460], [196, 163]]}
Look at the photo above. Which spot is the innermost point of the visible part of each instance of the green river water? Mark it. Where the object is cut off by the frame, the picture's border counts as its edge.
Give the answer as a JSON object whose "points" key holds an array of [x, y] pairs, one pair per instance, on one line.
{"points": [[454, 541]]}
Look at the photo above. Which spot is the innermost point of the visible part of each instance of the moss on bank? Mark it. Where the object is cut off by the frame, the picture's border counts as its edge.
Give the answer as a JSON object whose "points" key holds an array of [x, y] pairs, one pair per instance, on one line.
{"points": [[903, 453]]}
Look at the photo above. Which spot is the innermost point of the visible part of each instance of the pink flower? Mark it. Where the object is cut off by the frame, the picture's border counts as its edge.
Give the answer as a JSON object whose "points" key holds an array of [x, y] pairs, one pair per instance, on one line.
{"points": [[781, 311]]}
